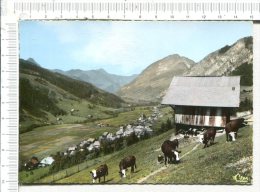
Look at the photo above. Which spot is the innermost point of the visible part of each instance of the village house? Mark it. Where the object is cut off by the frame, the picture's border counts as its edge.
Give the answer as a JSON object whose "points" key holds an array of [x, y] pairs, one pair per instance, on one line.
{"points": [[72, 148], [90, 140], [96, 145], [203, 101], [120, 132], [83, 144], [46, 161]]}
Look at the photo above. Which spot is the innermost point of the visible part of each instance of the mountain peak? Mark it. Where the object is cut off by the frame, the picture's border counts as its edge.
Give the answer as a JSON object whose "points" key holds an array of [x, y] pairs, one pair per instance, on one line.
{"points": [[173, 56], [100, 78], [32, 61], [101, 70], [226, 59], [156, 78]]}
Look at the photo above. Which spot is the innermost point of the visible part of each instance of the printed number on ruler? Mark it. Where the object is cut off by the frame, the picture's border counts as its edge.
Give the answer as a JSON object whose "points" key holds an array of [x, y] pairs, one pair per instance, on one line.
{"points": [[137, 10]]}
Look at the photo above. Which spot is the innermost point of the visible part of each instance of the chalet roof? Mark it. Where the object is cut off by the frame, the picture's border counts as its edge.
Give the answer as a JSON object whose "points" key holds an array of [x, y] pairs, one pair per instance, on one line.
{"points": [[204, 91]]}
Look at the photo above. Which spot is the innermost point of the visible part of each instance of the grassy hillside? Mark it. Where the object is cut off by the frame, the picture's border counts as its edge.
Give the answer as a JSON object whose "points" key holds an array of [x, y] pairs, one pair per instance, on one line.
{"points": [[214, 165], [36, 100], [77, 88], [45, 95], [217, 164]]}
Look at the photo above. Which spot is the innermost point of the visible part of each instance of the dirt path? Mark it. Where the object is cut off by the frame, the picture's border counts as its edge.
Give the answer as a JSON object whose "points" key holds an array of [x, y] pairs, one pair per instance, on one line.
{"points": [[164, 167]]}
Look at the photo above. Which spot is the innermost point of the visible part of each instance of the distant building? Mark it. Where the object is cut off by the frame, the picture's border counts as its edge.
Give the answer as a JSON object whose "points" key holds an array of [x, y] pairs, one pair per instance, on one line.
{"points": [[96, 144], [203, 101], [72, 148], [46, 161], [91, 140], [105, 134]]}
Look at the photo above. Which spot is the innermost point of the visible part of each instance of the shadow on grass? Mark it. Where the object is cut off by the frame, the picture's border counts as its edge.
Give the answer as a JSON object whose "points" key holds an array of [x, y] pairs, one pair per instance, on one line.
{"points": [[210, 145], [109, 180], [215, 143]]}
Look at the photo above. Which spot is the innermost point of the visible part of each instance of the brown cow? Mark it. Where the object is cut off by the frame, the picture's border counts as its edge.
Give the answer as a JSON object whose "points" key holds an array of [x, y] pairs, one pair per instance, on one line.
{"points": [[129, 161], [232, 127], [209, 135], [101, 171], [174, 144], [169, 149]]}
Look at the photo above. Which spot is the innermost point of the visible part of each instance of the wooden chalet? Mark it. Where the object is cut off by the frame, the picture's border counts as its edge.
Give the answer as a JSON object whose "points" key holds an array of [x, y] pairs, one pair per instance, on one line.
{"points": [[203, 101]]}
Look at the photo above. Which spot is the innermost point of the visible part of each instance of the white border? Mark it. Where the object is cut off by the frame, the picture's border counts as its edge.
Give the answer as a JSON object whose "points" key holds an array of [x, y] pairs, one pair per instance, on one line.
{"points": [[183, 188]]}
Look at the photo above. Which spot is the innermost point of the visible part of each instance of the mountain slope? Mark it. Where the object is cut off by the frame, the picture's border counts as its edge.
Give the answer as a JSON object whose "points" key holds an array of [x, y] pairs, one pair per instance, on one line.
{"points": [[226, 59], [45, 95], [155, 79], [33, 62], [152, 83], [100, 78]]}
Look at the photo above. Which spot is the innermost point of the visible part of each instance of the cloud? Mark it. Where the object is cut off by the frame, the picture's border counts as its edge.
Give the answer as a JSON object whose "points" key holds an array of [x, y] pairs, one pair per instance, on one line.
{"points": [[127, 47], [64, 31], [114, 46]]}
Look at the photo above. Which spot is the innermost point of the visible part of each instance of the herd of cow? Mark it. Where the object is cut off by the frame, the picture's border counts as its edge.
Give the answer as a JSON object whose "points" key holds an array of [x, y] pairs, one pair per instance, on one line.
{"points": [[170, 150], [102, 170]]}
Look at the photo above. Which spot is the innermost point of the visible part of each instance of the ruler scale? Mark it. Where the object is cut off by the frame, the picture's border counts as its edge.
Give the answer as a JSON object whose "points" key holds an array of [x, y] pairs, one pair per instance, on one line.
{"points": [[9, 106], [135, 10], [79, 9]]}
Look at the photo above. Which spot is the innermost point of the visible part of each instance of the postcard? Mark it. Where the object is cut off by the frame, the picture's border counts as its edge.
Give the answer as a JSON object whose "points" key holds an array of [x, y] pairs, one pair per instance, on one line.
{"points": [[126, 102]]}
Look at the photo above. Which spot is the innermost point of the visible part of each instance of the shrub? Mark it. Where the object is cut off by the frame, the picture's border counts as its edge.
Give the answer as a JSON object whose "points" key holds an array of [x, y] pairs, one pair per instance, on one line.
{"points": [[131, 139], [224, 49], [245, 105], [246, 72]]}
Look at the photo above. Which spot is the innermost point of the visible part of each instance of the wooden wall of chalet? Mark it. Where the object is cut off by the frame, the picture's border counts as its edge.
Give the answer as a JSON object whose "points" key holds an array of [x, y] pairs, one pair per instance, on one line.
{"points": [[202, 116]]}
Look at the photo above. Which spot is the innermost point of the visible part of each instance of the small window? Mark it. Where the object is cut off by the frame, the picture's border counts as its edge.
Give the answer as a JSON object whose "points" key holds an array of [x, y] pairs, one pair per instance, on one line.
{"points": [[233, 88]]}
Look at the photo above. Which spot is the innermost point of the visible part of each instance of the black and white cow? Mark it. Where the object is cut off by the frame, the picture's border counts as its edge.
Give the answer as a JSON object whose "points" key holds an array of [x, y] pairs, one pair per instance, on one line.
{"points": [[232, 127], [101, 171], [169, 149], [126, 162], [208, 136]]}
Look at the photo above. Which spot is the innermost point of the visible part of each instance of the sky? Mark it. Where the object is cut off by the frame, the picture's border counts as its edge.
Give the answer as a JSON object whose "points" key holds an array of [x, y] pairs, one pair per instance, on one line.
{"points": [[123, 47]]}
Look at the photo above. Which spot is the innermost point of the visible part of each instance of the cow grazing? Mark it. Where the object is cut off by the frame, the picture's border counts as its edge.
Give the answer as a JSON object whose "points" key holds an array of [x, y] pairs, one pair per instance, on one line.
{"points": [[169, 149], [208, 136], [232, 127], [101, 171], [129, 161], [174, 144]]}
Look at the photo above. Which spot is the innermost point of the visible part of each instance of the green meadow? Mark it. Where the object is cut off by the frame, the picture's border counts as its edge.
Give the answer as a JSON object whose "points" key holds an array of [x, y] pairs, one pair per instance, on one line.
{"points": [[46, 140], [221, 163]]}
